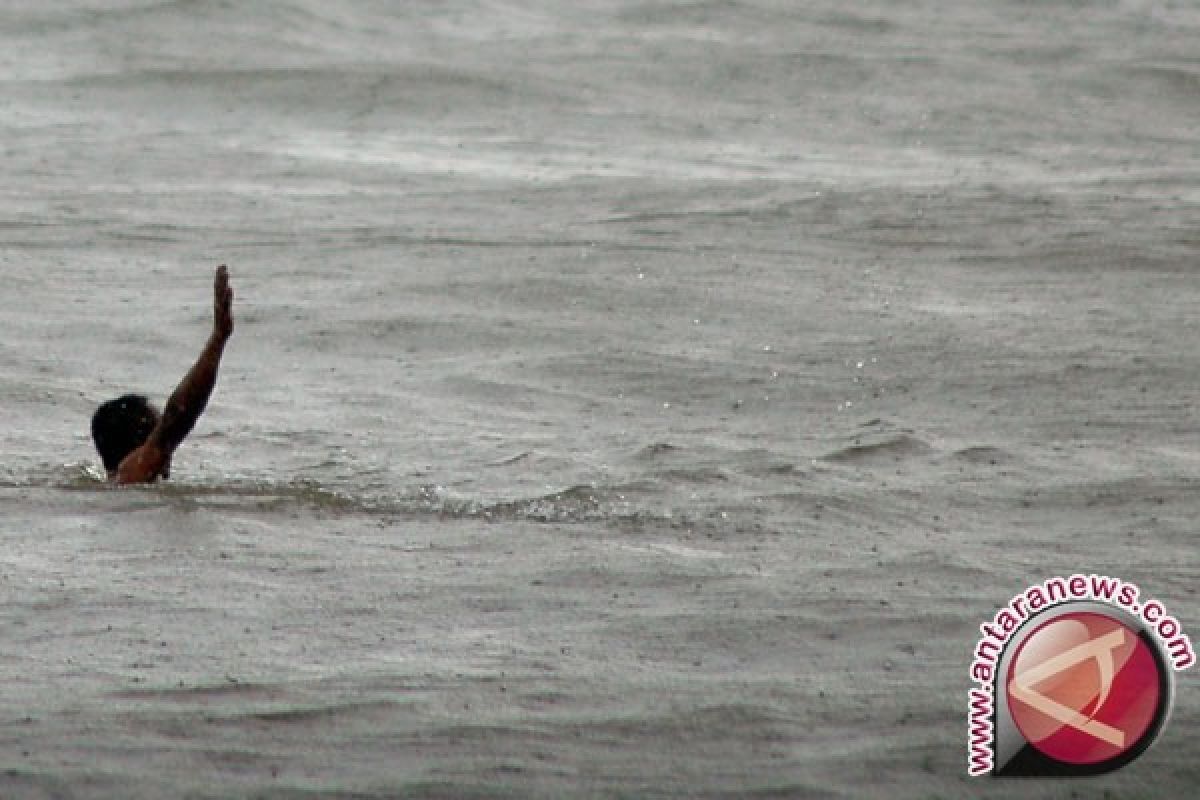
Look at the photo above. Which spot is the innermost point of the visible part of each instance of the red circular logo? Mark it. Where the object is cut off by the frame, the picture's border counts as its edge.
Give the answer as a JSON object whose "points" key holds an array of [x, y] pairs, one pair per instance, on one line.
{"points": [[1084, 688]]}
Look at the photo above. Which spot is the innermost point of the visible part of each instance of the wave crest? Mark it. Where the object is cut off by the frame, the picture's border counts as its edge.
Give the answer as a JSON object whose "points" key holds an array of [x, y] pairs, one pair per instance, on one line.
{"points": [[576, 503]]}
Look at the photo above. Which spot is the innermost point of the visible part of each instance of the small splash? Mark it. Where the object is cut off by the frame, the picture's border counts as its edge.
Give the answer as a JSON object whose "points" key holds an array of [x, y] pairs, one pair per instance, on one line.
{"points": [[73, 475], [573, 504]]}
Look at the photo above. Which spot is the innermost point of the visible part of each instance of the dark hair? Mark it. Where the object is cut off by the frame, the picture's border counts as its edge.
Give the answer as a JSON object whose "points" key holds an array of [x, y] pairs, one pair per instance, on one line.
{"points": [[121, 426]]}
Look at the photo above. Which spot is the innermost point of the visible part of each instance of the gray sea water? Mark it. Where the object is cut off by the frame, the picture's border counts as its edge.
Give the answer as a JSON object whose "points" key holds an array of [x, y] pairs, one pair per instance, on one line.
{"points": [[634, 399]]}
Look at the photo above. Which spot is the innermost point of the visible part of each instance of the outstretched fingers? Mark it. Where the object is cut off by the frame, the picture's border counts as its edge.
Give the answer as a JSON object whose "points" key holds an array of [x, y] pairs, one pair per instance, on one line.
{"points": [[223, 302]]}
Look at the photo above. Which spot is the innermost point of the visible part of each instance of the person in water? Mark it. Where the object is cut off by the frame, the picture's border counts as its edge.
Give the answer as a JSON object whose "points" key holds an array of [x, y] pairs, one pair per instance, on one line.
{"points": [[135, 441]]}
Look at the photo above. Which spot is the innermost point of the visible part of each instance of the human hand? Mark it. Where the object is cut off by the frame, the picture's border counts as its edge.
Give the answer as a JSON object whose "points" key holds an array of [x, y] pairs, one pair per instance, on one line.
{"points": [[222, 304]]}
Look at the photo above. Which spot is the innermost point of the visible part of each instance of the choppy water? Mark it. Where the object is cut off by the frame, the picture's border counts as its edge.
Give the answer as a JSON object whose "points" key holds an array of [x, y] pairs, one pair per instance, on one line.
{"points": [[705, 371]]}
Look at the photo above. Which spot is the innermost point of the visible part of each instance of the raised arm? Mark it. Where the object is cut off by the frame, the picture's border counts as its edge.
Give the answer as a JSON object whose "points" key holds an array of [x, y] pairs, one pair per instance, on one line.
{"points": [[188, 400]]}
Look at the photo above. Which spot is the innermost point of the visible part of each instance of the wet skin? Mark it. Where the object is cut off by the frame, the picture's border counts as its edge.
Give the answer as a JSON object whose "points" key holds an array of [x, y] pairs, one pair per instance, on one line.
{"points": [[187, 402]]}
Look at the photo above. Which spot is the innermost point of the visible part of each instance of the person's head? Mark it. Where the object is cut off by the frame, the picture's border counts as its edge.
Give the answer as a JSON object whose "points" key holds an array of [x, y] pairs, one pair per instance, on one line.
{"points": [[121, 426]]}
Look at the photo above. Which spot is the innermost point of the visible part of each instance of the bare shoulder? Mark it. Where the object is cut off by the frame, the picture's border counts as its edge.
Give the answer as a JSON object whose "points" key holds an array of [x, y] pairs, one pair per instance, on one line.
{"points": [[143, 465]]}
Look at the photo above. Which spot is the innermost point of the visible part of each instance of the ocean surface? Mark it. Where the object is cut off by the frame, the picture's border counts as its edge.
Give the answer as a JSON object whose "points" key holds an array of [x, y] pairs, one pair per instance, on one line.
{"points": [[627, 399]]}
